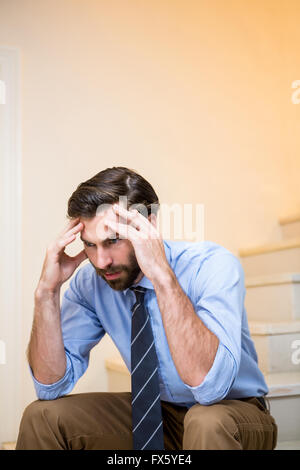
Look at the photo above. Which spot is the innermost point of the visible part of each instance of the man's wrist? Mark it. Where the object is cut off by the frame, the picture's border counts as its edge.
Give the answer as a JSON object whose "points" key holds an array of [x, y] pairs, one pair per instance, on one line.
{"points": [[44, 291], [165, 279]]}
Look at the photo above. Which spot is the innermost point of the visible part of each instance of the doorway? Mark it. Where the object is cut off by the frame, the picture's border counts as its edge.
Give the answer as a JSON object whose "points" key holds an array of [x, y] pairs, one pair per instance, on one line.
{"points": [[10, 245]]}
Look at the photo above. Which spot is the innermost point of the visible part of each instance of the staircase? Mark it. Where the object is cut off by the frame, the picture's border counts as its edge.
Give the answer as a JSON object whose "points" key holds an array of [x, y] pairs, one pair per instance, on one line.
{"points": [[272, 279], [272, 274]]}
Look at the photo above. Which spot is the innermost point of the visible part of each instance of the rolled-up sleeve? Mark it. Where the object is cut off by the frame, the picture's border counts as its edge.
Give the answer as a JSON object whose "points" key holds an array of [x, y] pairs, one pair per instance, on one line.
{"points": [[218, 297], [57, 389], [81, 330]]}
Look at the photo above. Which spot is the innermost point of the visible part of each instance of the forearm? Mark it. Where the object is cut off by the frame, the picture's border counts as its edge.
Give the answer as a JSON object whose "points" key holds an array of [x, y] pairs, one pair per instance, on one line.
{"points": [[192, 345], [46, 354]]}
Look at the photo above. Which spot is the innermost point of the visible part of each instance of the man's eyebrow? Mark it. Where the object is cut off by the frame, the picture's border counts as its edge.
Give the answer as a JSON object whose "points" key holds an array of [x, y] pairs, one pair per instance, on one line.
{"points": [[86, 241], [92, 243]]}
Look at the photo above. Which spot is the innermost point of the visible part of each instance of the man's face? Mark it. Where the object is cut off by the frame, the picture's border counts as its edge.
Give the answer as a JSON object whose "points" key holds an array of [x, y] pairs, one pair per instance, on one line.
{"points": [[113, 258]]}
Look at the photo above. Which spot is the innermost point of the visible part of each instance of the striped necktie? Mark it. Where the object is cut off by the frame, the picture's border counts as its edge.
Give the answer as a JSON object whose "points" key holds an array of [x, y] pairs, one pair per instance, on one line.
{"points": [[147, 425]]}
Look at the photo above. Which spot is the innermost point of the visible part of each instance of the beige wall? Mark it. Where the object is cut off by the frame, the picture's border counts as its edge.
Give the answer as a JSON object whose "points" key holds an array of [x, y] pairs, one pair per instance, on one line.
{"points": [[195, 95]]}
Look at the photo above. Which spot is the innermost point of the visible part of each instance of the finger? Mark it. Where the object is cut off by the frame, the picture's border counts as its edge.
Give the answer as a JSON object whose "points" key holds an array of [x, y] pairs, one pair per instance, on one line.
{"points": [[74, 230], [125, 231], [69, 236], [69, 226], [63, 242], [136, 219], [58, 246]]}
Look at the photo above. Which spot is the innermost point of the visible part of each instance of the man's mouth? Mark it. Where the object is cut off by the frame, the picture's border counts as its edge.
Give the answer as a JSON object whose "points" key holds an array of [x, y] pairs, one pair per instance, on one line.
{"points": [[112, 275]]}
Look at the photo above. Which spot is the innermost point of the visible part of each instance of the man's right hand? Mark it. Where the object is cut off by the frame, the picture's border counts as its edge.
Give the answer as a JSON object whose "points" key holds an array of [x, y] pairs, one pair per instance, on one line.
{"points": [[58, 267]]}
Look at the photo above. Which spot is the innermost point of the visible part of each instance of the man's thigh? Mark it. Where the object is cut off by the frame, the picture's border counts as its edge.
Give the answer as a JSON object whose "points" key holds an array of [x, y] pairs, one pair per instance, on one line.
{"points": [[230, 424], [91, 421], [79, 421]]}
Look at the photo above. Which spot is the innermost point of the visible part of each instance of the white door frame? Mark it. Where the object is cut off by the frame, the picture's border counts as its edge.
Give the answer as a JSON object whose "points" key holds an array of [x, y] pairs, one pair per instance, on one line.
{"points": [[10, 245]]}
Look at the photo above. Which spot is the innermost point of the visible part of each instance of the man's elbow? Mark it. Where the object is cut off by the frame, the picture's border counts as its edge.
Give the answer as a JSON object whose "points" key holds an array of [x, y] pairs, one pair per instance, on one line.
{"points": [[216, 384]]}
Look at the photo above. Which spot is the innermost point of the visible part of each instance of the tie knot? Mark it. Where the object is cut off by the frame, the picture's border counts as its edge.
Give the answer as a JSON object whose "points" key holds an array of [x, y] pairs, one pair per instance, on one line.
{"points": [[139, 293]]}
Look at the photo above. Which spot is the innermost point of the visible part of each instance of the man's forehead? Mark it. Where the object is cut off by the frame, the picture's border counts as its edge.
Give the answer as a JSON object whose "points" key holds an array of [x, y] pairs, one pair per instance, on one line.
{"points": [[94, 228]]}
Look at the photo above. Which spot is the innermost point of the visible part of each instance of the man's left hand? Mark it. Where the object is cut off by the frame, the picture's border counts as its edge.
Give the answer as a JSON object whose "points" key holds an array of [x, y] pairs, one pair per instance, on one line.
{"points": [[146, 240]]}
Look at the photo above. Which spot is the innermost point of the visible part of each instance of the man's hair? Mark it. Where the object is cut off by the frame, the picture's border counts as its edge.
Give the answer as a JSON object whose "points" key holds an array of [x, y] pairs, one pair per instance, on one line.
{"points": [[106, 187]]}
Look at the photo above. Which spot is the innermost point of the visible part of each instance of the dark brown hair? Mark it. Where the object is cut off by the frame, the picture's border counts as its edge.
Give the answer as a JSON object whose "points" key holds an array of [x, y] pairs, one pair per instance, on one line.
{"points": [[106, 187]]}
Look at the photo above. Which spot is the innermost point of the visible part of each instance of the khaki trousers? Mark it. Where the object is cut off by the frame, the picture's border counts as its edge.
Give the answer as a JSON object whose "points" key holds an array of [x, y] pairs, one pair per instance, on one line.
{"points": [[103, 421]]}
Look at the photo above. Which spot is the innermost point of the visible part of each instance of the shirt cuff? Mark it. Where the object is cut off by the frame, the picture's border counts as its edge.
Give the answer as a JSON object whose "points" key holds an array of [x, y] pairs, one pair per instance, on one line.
{"points": [[219, 379], [56, 389]]}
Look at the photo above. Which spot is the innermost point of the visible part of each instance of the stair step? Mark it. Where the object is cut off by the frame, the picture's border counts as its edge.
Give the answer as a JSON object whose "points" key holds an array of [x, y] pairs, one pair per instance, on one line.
{"points": [[288, 445], [290, 226], [116, 364], [118, 375], [284, 399], [274, 298], [283, 384], [277, 345], [273, 258], [8, 445], [262, 328]]}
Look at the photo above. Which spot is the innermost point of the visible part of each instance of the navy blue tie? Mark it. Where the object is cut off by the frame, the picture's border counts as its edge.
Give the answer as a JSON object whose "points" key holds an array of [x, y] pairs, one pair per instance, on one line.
{"points": [[147, 424]]}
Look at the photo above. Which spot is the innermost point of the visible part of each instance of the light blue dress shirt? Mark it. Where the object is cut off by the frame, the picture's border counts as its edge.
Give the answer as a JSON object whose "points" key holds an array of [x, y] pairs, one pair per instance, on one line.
{"points": [[213, 279]]}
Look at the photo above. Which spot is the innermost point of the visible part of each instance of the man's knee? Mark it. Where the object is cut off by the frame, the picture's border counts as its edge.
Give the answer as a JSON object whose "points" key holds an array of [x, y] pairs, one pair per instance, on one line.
{"points": [[33, 411], [37, 412], [39, 423], [208, 417], [204, 424]]}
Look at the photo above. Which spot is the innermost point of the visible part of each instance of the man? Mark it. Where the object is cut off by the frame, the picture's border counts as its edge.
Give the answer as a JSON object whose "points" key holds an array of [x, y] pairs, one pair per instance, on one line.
{"points": [[175, 310]]}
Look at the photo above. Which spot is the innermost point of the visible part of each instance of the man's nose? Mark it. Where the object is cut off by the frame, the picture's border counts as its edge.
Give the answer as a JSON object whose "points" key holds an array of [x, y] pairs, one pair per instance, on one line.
{"points": [[103, 260]]}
